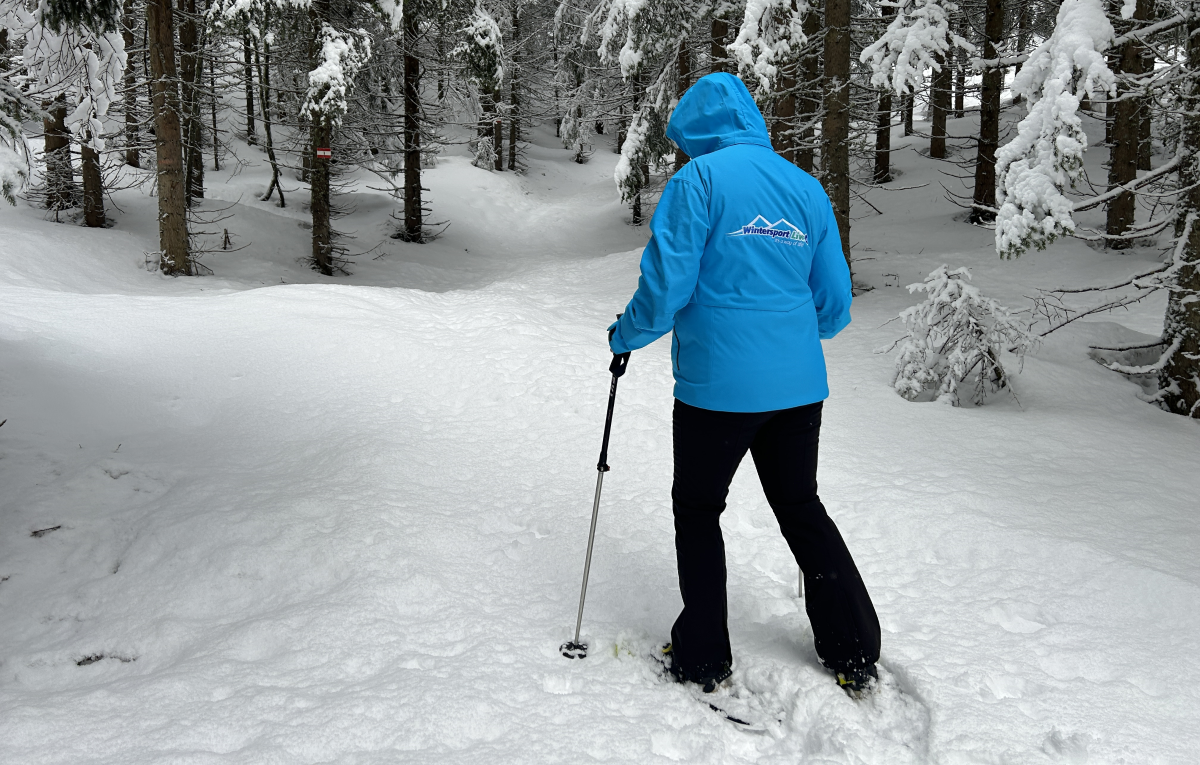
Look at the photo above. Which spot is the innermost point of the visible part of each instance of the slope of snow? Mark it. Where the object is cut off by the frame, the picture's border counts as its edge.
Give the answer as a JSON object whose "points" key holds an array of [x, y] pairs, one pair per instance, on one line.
{"points": [[343, 520]]}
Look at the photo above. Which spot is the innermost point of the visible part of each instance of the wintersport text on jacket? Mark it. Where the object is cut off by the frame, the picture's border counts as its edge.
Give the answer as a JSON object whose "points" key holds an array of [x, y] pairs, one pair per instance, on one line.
{"points": [[744, 263]]}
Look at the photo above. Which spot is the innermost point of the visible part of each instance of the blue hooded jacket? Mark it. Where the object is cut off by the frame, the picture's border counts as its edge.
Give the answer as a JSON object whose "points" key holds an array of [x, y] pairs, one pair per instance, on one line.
{"points": [[744, 263]]}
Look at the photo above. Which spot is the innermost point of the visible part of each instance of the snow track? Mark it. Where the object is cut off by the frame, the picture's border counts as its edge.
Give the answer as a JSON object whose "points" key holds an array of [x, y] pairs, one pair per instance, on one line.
{"points": [[340, 523]]}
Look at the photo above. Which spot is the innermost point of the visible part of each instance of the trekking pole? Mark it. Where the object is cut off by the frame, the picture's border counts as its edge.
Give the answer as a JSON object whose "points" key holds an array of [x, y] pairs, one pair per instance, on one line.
{"points": [[574, 649]]}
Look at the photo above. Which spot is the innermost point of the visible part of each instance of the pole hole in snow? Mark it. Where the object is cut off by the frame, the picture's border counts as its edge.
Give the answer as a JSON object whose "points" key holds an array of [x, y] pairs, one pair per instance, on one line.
{"points": [[44, 532]]}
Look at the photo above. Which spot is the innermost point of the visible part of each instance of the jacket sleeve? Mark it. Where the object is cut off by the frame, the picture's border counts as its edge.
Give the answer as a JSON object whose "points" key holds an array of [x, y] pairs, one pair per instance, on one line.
{"points": [[670, 266], [829, 280]]}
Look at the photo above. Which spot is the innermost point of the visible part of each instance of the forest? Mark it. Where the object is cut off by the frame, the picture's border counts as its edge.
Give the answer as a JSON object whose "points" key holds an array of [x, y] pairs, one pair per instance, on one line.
{"points": [[303, 371]]}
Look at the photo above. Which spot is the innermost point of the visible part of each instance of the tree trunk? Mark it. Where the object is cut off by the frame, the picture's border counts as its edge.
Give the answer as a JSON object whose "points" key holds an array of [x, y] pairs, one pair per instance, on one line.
{"points": [[883, 138], [1179, 378], [514, 130], [413, 214], [636, 91], [718, 56], [960, 69], [906, 112], [939, 107], [1126, 126], [216, 134], [810, 104], [190, 69], [984, 199], [683, 81], [1146, 104], [1022, 37], [498, 138], [60, 173], [132, 139], [176, 257], [835, 130], [783, 129], [93, 185], [262, 62], [248, 82], [883, 122], [320, 132]]}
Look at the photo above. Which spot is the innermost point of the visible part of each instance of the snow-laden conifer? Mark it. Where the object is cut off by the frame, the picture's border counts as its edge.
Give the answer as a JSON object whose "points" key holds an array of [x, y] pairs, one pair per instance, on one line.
{"points": [[918, 38], [771, 31], [1046, 156], [955, 336]]}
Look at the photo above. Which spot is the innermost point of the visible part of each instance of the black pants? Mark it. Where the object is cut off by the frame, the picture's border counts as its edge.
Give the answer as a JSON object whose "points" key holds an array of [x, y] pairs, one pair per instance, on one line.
{"points": [[708, 447]]}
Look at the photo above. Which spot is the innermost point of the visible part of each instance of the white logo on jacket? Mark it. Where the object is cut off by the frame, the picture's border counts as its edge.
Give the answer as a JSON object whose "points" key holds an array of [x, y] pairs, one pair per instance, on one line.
{"points": [[780, 230]]}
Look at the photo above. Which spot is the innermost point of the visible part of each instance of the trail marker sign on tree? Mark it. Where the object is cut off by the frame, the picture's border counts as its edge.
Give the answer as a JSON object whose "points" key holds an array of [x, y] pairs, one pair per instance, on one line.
{"points": [[324, 153]]}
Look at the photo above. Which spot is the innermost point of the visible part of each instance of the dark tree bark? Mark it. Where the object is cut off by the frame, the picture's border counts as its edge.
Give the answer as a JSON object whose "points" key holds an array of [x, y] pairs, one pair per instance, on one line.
{"points": [[835, 130], [810, 102], [1146, 104], [498, 139], [60, 173], [960, 68], [1126, 126], [176, 256], [320, 133], [514, 98], [93, 185], [984, 199], [413, 213], [939, 107], [783, 129], [1022, 37], [718, 56], [883, 123], [262, 62], [1179, 379], [248, 83], [216, 134], [132, 137], [190, 69], [883, 138], [683, 81], [636, 93], [906, 112]]}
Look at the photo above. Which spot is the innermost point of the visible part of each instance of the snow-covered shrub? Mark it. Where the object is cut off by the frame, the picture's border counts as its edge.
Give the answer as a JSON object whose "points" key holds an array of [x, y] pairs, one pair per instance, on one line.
{"points": [[485, 153], [1046, 156], [954, 336]]}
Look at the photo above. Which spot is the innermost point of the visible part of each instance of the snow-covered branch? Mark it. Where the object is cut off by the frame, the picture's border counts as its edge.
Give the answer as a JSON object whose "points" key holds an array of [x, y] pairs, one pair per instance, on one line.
{"points": [[1046, 156], [918, 38]]}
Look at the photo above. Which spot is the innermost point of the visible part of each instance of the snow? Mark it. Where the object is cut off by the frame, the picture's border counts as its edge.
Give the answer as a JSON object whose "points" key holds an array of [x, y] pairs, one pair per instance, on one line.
{"points": [[343, 519]]}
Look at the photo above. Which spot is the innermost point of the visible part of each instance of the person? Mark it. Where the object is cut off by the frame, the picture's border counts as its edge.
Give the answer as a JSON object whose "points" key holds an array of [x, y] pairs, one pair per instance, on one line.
{"points": [[745, 266]]}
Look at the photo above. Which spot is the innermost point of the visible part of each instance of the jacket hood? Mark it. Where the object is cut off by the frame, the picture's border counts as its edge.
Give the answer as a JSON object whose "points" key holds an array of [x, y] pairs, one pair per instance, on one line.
{"points": [[714, 113]]}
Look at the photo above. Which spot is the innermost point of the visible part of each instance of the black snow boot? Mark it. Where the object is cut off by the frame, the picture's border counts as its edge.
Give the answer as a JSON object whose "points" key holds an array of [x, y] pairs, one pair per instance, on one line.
{"points": [[859, 681], [708, 678]]}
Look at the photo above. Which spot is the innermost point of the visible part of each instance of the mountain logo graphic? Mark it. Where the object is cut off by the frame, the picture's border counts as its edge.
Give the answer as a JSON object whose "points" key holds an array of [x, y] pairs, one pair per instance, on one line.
{"points": [[780, 230]]}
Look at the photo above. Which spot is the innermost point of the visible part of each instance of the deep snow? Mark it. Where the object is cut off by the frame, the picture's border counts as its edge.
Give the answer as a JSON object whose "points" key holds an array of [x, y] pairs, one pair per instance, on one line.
{"points": [[343, 520]]}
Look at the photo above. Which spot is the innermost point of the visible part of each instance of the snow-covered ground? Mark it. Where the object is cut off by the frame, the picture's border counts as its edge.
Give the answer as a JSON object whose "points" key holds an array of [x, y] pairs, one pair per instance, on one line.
{"points": [[270, 517]]}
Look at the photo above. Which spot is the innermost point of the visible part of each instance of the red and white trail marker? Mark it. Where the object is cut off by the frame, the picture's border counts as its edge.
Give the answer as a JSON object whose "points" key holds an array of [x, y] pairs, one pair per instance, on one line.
{"points": [[324, 153]]}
